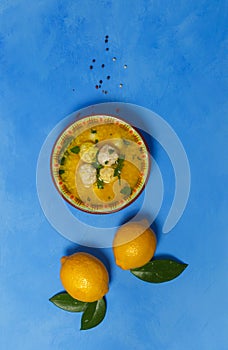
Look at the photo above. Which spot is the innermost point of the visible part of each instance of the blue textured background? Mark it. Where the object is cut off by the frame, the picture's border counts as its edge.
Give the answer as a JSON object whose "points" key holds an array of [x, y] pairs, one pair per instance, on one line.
{"points": [[176, 57]]}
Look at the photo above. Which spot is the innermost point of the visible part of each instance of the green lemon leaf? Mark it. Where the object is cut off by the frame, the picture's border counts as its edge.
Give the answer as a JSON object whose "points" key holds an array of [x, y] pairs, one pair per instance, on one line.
{"points": [[93, 314], [158, 271], [66, 302]]}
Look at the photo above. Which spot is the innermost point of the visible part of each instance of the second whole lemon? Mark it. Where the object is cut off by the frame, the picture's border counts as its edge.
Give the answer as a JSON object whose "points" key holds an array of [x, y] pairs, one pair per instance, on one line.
{"points": [[134, 245], [84, 277]]}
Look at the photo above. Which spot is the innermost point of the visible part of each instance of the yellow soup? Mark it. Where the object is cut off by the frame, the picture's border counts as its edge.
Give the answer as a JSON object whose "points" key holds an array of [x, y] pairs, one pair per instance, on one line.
{"points": [[102, 165]]}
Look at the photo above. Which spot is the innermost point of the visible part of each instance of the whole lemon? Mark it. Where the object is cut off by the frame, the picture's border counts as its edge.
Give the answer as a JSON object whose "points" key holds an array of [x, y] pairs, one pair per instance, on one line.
{"points": [[84, 277], [134, 245]]}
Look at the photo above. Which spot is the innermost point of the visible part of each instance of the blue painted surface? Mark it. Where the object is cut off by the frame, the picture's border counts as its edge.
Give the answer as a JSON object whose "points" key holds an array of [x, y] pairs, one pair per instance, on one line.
{"points": [[176, 57]]}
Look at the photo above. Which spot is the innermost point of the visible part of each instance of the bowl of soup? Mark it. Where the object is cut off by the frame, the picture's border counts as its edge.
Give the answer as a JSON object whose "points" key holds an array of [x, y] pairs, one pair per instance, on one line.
{"points": [[100, 164]]}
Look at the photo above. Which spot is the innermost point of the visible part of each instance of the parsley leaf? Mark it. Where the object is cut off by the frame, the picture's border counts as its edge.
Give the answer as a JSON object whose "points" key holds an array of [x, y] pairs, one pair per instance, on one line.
{"points": [[100, 183], [62, 161], [98, 167], [119, 166], [75, 149]]}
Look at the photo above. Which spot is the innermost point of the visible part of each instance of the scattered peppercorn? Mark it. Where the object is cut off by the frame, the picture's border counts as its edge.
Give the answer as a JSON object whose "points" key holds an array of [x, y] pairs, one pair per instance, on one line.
{"points": [[98, 86]]}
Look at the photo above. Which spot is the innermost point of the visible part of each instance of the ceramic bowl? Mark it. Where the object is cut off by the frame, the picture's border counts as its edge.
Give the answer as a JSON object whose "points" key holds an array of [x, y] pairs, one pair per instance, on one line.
{"points": [[62, 144]]}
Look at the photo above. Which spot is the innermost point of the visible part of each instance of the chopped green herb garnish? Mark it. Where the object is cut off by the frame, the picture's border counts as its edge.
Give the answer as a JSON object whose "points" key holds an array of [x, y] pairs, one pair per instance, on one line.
{"points": [[88, 199], [96, 141], [75, 149], [106, 162], [119, 165], [61, 171], [62, 161], [111, 150], [98, 167], [139, 158], [100, 183], [93, 131], [126, 191]]}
